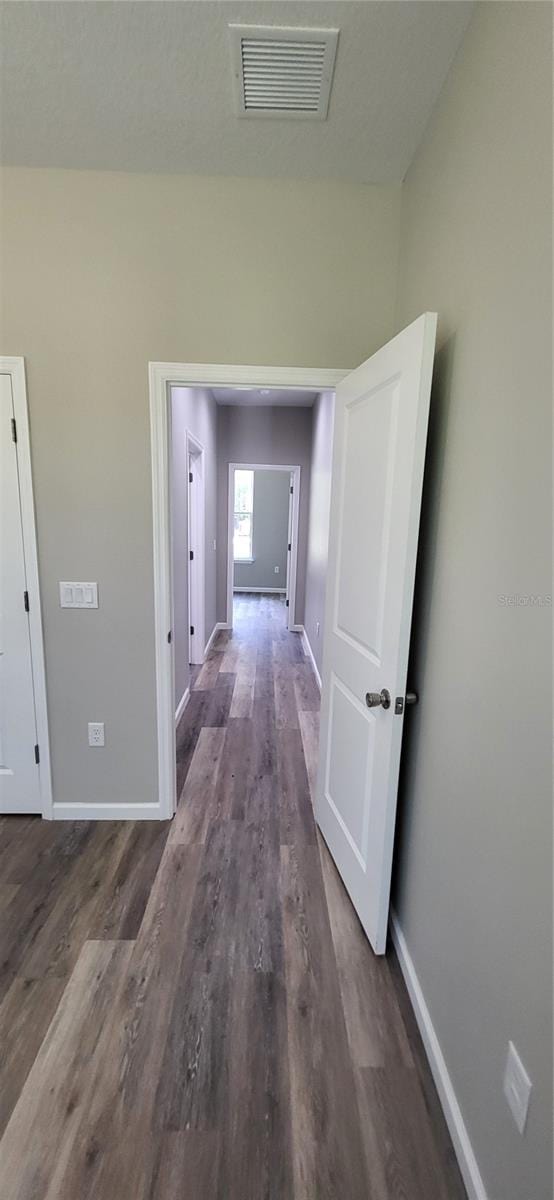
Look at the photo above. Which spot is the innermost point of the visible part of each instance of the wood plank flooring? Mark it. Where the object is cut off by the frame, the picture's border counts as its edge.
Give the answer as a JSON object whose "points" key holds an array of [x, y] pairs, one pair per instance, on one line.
{"points": [[190, 1010]]}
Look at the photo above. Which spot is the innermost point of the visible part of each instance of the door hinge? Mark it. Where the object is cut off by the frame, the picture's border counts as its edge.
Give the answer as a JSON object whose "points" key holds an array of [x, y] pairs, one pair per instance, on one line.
{"points": [[190, 476], [14, 430], [192, 630], [191, 555], [291, 491], [169, 638], [37, 755], [26, 601], [286, 603], [289, 546]]}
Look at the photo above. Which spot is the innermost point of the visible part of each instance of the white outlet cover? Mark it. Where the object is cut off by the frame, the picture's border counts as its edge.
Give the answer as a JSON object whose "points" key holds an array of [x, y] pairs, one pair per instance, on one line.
{"points": [[96, 733], [517, 1087], [276, 569]]}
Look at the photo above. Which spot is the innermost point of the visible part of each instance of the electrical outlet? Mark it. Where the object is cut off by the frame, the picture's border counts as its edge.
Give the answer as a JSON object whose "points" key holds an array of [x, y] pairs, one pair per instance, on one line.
{"points": [[276, 569], [96, 733], [517, 1087]]}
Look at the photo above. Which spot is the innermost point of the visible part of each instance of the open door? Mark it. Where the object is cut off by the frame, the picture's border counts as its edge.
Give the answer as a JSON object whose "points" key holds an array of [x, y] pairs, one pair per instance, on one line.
{"points": [[381, 419], [19, 771]]}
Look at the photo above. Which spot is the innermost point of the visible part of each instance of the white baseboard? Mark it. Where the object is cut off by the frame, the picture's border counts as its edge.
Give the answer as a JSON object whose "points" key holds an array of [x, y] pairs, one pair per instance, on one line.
{"points": [[182, 705], [107, 812], [452, 1112], [218, 625], [310, 654], [262, 591]]}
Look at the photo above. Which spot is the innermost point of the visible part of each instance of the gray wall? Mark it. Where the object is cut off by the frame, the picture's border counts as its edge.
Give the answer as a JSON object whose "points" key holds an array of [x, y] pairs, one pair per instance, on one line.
{"points": [[192, 409], [263, 435], [474, 865], [269, 533], [103, 272], [318, 529]]}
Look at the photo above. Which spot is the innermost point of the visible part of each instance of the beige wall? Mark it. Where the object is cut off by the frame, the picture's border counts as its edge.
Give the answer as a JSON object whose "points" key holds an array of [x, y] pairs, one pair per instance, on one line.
{"points": [[474, 871], [102, 272]]}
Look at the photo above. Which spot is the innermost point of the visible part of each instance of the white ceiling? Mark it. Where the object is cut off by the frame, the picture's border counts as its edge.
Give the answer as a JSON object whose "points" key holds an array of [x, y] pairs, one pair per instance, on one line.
{"points": [[264, 396], [146, 85]]}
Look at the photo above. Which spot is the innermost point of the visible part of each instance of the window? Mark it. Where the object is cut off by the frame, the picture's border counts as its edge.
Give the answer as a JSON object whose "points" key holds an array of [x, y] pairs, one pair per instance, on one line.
{"points": [[244, 510]]}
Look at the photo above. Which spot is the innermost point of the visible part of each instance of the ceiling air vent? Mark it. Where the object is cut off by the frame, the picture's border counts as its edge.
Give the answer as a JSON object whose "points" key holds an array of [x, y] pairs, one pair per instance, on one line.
{"points": [[283, 72]]}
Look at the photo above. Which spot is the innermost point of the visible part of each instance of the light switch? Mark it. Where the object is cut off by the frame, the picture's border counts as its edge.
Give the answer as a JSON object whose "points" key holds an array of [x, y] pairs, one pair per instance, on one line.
{"points": [[78, 595]]}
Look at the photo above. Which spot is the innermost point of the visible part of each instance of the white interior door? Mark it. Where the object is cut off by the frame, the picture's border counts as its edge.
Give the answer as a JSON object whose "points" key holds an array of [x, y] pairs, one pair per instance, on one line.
{"points": [[290, 614], [379, 450], [19, 774], [196, 551]]}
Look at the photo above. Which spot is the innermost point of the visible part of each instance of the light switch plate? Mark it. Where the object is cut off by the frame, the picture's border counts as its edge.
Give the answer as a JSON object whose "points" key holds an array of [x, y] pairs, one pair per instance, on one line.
{"points": [[78, 595], [517, 1087]]}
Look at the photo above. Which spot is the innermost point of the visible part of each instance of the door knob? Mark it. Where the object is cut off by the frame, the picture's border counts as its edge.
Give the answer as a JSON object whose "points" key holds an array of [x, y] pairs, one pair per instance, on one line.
{"points": [[378, 699]]}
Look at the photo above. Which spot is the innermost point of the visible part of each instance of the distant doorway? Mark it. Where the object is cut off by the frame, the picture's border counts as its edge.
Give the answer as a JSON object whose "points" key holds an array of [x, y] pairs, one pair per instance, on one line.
{"points": [[254, 535]]}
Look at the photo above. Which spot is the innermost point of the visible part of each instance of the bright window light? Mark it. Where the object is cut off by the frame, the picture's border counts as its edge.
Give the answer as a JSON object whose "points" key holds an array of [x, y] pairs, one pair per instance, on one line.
{"points": [[243, 516]]}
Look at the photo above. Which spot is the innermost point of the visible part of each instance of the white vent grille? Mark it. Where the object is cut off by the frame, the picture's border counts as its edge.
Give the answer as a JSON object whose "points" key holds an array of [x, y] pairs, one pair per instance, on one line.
{"points": [[283, 72]]}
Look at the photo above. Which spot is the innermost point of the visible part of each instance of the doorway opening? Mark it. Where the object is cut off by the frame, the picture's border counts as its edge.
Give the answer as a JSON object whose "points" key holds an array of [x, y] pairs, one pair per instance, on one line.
{"points": [[185, 397], [262, 541]]}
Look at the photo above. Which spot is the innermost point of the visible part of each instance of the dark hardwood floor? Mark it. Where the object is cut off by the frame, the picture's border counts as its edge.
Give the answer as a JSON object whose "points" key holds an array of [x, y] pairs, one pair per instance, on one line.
{"points": [[190, 1010]]}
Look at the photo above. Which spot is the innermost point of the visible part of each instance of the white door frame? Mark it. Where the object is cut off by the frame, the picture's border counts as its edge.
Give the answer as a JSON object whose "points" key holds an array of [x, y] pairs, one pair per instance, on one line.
{"points": [[162, 376], [196, 537], [292, 560], [15, 367]]}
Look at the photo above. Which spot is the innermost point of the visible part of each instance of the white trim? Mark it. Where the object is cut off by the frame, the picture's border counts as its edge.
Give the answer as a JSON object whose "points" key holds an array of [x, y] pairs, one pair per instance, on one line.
{"points": [[182, 705], [445, 1088], [15, 367], [294, 521], [310, 654], [196, 580], [161, 375], [314, 379], [218, 625], [160, 429], [262, 591], [107, 812]]}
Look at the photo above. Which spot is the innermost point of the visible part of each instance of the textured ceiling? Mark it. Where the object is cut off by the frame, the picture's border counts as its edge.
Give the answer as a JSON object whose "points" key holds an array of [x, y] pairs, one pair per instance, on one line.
{"points": [[264, 397], [146, 86]]}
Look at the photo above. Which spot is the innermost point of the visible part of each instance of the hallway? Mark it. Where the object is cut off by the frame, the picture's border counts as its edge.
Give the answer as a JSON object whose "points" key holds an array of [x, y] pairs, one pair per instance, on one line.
{"points": [[255, 1048]]}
